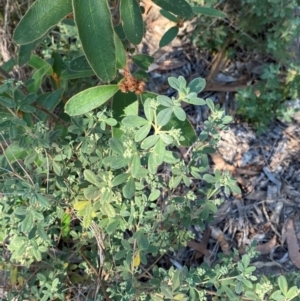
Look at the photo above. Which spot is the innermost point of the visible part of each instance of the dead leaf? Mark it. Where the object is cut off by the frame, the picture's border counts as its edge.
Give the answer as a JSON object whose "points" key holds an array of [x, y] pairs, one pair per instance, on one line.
{"points": [[292, 243], [198, 247], [267, 247]]}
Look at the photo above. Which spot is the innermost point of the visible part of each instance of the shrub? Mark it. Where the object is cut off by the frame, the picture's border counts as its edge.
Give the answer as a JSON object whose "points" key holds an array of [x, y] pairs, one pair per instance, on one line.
{"points": [[92, 204]]}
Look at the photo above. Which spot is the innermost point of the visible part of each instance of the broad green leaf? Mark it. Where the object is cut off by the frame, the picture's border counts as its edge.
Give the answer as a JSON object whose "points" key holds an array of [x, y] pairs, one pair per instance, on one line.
{"points": [[135, 165], [143, 61], [37, 63], [149, 141], [129, 189], [143, 242], [174, 82], [168, 15], [14, 152], [132, 21], [87, 217], [69, 74], [132, 109], [120, 52], [134, 121], [80, 64], [65, 224], [283, 285], [93, 20], [38, 77], [120, 179], [116, 146], [90, 176], [42, 200], [89, 99], [7, 102], [148, 110], [81, 205], [27, 223], [154, 195], [178, 7], [159, 151], [164, 116], [152, 167], [91, 193], [142, 132], [292, 293], [208, 11], [165, 101], [209, 178], [169, 36], [40, 17], [197, 85], [179, 113], [108, 210]]}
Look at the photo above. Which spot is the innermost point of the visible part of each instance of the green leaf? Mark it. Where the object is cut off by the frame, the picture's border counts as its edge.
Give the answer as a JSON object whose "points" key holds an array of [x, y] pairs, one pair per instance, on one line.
{"points": [[65, 225], [14, 153], [134, 121], [142, 133], [42, 200], [197, 85], [154, 195], [129, 189], [7, 102], [132, 21], [90, 176], [174, 82], [143, 242], [283, 285], [149, 141], [40, 17], [178, 7], [135, 166], [179, 113], [165, 101], [152, 167], [120, 179], [80, 64], [208, 11], [164, 116], [87, 218], [209, 178], [143, 61], [116, 146], [38, 77], [132, 109], [159, 151], [27, 223], [120, 52], [168, 15], [93, 20], [108, 210], [195, 101], [169, 36], [234, 188], [89, 99], [292, 293]]}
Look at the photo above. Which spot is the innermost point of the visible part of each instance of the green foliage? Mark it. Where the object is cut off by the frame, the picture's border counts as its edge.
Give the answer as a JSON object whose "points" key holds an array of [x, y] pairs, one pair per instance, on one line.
{"points": [[268, 99], [102, 193], [258, 28]]}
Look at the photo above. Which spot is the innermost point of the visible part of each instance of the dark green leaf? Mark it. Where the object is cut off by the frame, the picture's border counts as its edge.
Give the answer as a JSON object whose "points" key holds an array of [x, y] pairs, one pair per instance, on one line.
{"points": [[169, 36], [129, 188], [80, 64], [168, 15], [178, 7], [40, 17], [93, 20], [7, 102], [132, 21], [143, 61]]}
